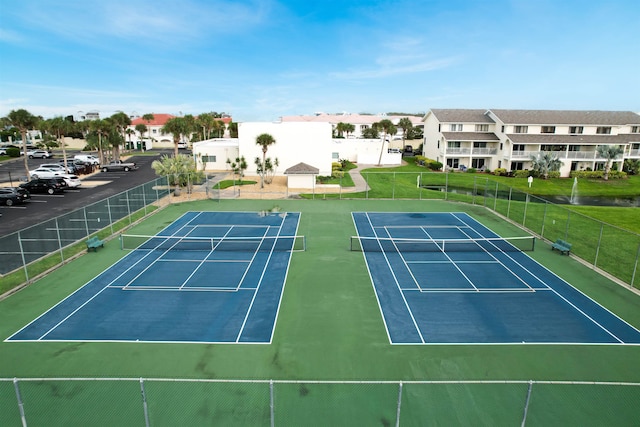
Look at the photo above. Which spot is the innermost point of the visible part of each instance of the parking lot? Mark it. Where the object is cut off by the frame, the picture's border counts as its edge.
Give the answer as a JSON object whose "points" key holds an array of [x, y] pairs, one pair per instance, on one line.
{"points": [[95, 186]]}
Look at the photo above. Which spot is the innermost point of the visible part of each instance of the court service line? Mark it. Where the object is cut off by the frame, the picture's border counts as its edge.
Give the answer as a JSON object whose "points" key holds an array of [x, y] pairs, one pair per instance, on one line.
{"points": [[255, 253], [451, 261], [201, 262], [579, 310], [500, 262], [395, 279]]}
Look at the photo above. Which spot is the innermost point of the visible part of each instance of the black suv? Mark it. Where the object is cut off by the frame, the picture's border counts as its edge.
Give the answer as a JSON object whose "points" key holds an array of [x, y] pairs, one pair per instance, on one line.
{"points": [[49, 186]]}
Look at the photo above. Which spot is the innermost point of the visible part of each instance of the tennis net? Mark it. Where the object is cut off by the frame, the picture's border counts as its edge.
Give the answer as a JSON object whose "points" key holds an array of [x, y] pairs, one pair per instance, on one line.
{"points": [[489, 244], [223, 244]]}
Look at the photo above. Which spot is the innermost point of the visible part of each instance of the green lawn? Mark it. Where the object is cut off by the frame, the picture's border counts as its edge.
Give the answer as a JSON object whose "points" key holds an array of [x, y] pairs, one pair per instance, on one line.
{"points": [[329, 327]]}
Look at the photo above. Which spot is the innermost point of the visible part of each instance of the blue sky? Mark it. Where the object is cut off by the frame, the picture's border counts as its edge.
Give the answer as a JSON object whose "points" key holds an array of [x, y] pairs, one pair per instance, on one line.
{"points": [[262, 59]]}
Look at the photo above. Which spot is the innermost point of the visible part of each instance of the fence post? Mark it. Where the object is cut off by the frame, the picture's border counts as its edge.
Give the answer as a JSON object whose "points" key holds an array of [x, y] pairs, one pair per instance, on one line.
{"points": [[144, 198], [366, 180], [20, 404], [399, 404], [59, 240], [128, 206], [271, 404], [393, 187], [566, 229], [635, 267], [24, 261], [109, 211], [446, 185], [86, 220], [595, 261], [495, 199], [509, 204], [544, 218], [144, 403]]}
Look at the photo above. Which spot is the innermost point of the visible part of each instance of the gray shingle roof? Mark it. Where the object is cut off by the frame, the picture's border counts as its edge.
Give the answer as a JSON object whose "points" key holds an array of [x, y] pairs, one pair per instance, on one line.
{"points": [[302, 169], [567, 117], [470, 136], [461, 115]]}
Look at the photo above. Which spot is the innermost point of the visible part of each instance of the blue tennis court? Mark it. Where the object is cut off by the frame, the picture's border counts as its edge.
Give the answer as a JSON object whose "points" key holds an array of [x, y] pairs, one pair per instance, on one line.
{"points": [[209, 277], [444, 278]]}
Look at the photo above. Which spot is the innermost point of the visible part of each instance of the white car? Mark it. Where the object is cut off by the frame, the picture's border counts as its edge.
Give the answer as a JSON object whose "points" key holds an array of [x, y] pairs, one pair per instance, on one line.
{"points": [[44, 173], [42, 154], [56, 166], [72, 180]]}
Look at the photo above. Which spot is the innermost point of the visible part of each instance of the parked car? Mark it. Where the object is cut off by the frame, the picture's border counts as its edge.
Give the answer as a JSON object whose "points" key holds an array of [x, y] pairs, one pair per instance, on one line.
{"points": [[119, 165], [3, 151], [44, 172], [72, 167], [182, 145], [11, 195], [39, 154], [72, 181], [49, 186], [87, 158]]}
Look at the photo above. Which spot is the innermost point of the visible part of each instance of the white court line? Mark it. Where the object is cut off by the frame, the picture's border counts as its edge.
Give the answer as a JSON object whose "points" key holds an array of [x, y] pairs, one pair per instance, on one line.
{"points": [[395, 279], [569, 302]]}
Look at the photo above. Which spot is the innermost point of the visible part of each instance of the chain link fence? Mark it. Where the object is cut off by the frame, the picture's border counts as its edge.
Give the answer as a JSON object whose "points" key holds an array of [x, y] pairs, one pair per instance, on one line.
{"points": [[57, 239], [171, 402]]}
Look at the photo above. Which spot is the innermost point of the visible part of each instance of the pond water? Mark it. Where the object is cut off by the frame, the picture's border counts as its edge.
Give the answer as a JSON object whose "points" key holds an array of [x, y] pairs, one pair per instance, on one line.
{"points": [[562, 200]]}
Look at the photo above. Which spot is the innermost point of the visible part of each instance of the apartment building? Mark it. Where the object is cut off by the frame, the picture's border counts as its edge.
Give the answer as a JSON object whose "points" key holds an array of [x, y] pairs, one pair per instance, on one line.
{"points": [[490, 139]]}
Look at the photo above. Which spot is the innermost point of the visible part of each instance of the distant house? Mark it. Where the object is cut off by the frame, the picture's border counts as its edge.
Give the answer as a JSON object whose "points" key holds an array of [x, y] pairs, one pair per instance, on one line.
{"points": [[490, 139], [154, 137]]}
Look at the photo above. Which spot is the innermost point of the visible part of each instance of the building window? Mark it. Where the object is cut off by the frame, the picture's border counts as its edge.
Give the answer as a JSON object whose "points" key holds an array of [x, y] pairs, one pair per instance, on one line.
{"points": [[518, 147], [635, 129], [520, 129], [455, 127], [603, 130], [477, 163], [335, 156], [479, 145], [439, 127], [363, 127], [438, 143], [574, 148], [548, 129], [501, 146], [453, 144], [208, 159], [502, 129], [482, 128], [154, 131], [453, 163], [575, 130], [551, 147], [517, 166]]}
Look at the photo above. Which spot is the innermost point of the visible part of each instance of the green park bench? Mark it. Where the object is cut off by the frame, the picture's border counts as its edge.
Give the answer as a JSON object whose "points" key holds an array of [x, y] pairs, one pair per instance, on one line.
{"points": [[561, 245], [94, 243]]}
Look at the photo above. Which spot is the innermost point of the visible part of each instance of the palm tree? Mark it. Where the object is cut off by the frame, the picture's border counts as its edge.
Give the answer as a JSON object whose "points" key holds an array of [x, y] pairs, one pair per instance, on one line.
{"points": [[264, 140], [406, 125], [544, 163], [388, 128], [24, 121], [233, 129], [349, 128], [141, 128], [101, 128], [341, 129], [176, 126], [149, 117], [60, 127], [208, 123], [180, 169], [120, 121], [129, 133], [609, 153]]}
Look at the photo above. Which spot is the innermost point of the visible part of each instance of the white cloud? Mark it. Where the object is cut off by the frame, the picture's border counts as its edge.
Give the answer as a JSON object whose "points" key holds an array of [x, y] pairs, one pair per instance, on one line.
{"points": [[395, 66]]}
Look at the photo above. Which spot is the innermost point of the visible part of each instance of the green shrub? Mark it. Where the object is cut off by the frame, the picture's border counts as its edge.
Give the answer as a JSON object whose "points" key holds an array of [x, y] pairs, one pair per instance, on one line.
{"points": [[434, 166], [521, 173], [13, 152], [554, 174], [471, 170], [336, 165], [500, 172]]}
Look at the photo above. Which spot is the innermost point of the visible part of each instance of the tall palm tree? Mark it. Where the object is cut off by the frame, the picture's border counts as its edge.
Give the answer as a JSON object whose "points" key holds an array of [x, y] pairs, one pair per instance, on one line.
{"points": [[388, 128], [101, 128], [149, 117], [609, 153], [406, 125], [233, 129], [129, 132], [141, 128], [207, 122], [545, 162], [120, 121], [264, 140], [24, 121], [176, 126], [349, 128], [60, 127], [341, 129]]}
